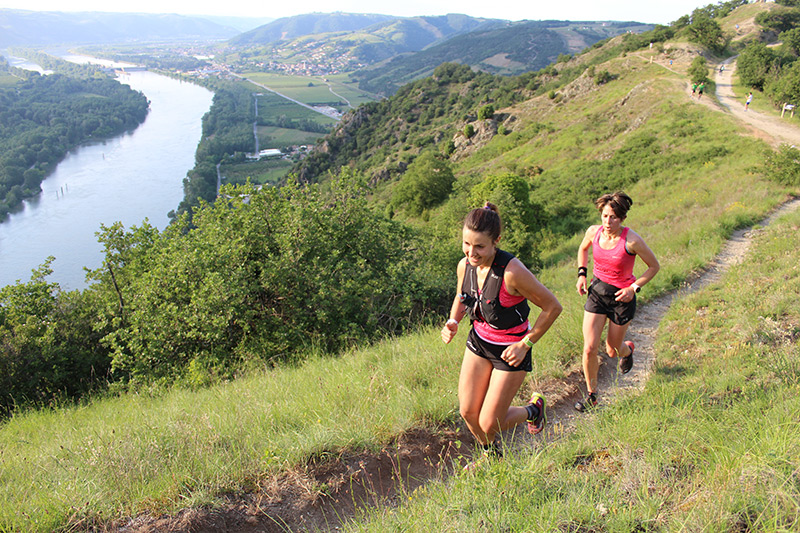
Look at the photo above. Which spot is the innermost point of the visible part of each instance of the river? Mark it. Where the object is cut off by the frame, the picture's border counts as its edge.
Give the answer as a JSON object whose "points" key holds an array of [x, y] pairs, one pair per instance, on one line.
{"points": [[130, 178]]}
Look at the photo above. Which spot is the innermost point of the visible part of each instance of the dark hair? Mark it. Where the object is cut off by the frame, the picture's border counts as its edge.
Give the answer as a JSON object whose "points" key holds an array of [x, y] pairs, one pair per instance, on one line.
{"points": [[619, 202], [484, 219]]}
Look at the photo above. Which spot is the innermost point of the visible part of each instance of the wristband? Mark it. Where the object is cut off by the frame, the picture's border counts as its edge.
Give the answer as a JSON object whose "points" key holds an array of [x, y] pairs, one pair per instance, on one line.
{"points": [[527, 342], [451, 321], [582, 271], [636, 288]]}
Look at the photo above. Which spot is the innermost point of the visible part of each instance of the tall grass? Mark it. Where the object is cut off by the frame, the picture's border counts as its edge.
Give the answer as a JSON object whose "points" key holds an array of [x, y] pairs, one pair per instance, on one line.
{"points": [[712, 444]]}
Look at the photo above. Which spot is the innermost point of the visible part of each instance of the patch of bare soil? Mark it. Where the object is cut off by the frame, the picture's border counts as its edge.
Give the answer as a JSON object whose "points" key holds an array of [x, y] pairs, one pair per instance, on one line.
{"points": [[326, 492]]}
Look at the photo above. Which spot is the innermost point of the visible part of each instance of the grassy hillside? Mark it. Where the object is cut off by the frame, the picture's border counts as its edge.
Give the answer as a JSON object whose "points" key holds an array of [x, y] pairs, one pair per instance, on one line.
{"points": [[710, 444], [688, 170]]}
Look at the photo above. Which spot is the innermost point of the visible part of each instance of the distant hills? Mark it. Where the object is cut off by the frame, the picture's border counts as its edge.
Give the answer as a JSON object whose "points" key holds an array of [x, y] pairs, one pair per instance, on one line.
{"points": [[32, 28], [506, 49], [287, 28], [392, 51]]}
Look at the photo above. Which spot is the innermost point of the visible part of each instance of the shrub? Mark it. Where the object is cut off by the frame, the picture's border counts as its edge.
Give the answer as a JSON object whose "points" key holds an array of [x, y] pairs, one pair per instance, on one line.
{"points": [[698, 71], [783, 165], [486, 112], [427, 183], [522, 219]]}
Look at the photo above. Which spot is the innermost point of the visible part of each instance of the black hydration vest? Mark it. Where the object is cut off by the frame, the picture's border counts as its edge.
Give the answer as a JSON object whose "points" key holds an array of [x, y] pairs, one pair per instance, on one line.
{"points": [[487, 308]]}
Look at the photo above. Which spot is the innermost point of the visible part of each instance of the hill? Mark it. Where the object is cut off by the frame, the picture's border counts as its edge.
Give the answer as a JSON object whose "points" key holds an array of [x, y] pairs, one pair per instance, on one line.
{"points": [[709, 443], [288, 28], [36, 28], [510, 49]]}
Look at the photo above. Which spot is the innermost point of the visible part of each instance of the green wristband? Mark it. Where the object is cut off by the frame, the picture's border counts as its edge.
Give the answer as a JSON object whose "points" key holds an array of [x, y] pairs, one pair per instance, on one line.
{"points": [[528, 342]]}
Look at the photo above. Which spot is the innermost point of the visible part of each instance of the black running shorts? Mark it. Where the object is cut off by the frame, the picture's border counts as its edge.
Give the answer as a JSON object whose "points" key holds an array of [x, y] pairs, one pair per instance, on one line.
{"points": [[601, 301], [492, 353]]}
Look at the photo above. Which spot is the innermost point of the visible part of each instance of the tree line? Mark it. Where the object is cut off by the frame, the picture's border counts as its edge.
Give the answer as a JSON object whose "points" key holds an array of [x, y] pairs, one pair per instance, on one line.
{"points": [[256, 278], [43, 117], [775, 70]]}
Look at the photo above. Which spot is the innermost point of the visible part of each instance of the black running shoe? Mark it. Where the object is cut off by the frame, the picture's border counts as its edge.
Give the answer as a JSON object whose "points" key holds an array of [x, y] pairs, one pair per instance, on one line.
{"points": [[626, 363], [587, 404]]}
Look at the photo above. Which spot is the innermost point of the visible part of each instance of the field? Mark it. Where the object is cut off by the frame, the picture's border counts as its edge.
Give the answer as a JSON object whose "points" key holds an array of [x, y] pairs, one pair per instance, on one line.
{"points": [[258, 172], [7, 80], [277, 137]]}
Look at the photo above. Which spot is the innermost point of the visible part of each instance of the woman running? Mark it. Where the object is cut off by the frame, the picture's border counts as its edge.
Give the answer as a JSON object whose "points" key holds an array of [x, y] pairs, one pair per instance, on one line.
{"points": [[494, 288], [612, 293]]}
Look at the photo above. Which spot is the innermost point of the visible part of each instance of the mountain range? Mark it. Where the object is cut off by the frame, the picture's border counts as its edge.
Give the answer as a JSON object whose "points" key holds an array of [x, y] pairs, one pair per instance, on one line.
{"points": [[36, 28]]}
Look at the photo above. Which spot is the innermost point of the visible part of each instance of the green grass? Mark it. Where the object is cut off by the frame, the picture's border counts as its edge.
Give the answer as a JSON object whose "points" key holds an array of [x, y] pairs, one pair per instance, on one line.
{"points": [[258, 172], [7, 80], [123, 455], [711, 444], [276, 137], [305, 89]]}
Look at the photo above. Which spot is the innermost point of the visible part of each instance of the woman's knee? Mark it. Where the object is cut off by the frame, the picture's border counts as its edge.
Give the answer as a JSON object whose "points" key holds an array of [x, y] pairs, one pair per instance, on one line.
{"points": [[488, 423], [469, 415], [590, 349]]}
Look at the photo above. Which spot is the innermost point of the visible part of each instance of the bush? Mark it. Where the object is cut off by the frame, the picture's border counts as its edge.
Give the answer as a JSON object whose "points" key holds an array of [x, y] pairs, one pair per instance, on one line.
{"points": [[263, 276], [603, 77], [783, 165], [486, 112], [522, 219], [49, 349], [698, 71], [427, 183]]}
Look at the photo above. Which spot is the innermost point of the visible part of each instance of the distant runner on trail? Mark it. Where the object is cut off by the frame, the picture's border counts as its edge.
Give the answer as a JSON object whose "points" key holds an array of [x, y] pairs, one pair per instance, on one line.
{"points": [[494, 289], [749, 99], [612, 293]]}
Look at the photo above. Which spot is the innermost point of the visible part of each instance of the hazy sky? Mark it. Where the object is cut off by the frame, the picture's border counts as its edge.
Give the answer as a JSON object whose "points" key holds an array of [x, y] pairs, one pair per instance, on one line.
{"points": [[651, 11]]}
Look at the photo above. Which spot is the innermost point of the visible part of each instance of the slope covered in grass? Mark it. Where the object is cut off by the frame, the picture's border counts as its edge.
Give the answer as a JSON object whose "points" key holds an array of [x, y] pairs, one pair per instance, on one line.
{"points": [[692, 174]]}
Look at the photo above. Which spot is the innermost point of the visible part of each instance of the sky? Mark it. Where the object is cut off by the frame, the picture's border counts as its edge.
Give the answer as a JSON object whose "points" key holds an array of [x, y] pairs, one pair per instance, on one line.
{"points": [[647, 11]]}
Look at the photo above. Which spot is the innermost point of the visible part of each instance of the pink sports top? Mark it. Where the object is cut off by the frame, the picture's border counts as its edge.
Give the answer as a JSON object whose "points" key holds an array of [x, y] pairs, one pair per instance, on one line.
{"points": [[502, 336], [614, 266]]}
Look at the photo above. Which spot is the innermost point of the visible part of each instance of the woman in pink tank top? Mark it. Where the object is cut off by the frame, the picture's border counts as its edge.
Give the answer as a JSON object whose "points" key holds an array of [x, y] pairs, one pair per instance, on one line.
{"points": [[612, 293]]}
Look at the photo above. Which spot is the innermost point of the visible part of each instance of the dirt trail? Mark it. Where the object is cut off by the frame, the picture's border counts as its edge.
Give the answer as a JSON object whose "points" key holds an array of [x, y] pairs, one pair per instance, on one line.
{"points": [[320, 497]]}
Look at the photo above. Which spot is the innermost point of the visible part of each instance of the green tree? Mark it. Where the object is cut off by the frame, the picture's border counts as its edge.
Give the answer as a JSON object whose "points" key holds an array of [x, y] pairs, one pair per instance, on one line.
{"points": [[706, 31], [522, 219], [791, 41], [427, 183], [786, 87], [780, 19], [698, 70], [755, 64], [486, 112]]}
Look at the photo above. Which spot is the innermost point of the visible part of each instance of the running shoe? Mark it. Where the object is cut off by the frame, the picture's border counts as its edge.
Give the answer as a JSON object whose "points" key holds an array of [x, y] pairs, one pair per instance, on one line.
{"points": [[626, 363], [491, 453], [587, 404], [537, 424]]}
